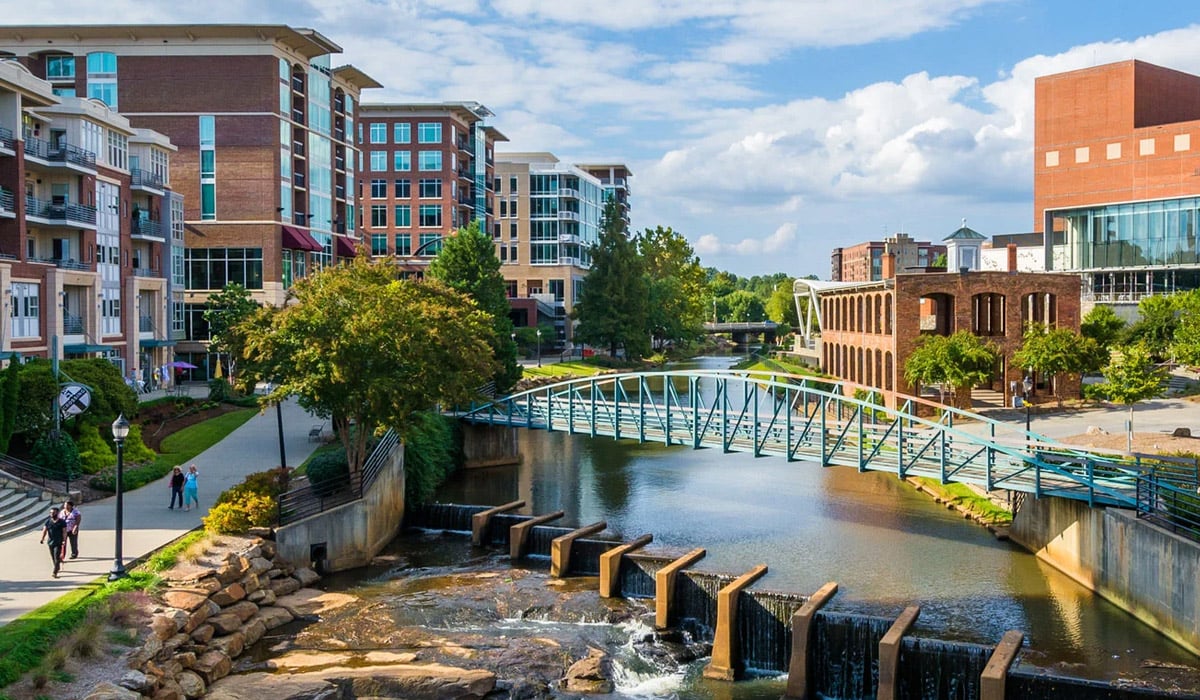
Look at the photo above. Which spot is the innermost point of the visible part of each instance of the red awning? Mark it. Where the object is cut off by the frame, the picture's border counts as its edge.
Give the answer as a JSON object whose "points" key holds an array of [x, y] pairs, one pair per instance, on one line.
{"points": [[299, 239], [344, 247]]}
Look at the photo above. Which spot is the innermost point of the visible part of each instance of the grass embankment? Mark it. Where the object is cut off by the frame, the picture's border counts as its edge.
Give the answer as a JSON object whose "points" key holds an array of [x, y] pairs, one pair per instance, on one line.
{"points": [[25, 641], [570, 368], [765, 364], [184, 445], [966, 501]]}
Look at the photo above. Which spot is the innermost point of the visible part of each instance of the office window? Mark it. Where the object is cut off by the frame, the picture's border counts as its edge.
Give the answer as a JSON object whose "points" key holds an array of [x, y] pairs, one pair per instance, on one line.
{"points": [[512, 253], [512, 230], [496, 230], [208, 167], [402, 132], [403, 216], [503, 209], [402, 161], [378, 161], [378, 216], [431, 215], [558, 289], [378, 132], [512, 208], [429, 132], [403, 243], [59, 67], [118, 150], [26, 309], [379, 244], [102, 77], [215, 268], [430, 188], [378, 189], [430, 160], [63, 91], [431, 244], [512, 185], [403, 188]]}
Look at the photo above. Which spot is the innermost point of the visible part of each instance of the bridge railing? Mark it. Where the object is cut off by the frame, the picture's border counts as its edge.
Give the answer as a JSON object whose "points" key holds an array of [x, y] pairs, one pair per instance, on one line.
{"points": [[1168, 505], [311, 497]]}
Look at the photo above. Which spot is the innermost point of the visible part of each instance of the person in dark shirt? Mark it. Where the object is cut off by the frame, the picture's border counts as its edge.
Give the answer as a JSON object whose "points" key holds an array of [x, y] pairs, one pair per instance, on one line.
{"points": [[53, 530], [176, 485]]}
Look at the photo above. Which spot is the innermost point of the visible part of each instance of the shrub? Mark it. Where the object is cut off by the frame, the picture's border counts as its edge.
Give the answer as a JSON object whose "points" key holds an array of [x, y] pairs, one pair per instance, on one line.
{"points": [[135, 449], [219, 390], [94, 451], [56, 451], [1094, 392], [239, 515], [429, 455], [328, 472], [270, 484], [125, 608], [84, 642]]}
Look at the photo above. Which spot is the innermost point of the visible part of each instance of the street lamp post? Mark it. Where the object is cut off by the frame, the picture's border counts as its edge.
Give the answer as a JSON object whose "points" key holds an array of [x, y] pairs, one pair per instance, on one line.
{"points": [[120, 431], [539, 348], [1027, 384]]}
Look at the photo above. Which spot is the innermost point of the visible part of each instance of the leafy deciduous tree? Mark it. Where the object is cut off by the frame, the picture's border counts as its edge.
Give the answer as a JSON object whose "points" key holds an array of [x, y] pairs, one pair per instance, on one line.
{"points": [[741, 306], [677, 285], [613, 304], [1131, 378], [224, 312], [1155, 327], [468, 264], [1185, 345], [960, 360], [781, 307], [9, 395], [1105, 327], [358, 346], [1055, 352]]}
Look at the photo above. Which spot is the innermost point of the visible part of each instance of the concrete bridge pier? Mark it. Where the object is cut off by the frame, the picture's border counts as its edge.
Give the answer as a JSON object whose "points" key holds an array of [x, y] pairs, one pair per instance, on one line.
{"points": [[489, 445]]}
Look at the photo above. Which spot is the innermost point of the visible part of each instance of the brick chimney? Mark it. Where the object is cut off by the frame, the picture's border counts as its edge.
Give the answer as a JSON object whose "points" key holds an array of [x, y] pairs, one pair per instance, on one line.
{"points": [[889, 266], [1012, 257]]}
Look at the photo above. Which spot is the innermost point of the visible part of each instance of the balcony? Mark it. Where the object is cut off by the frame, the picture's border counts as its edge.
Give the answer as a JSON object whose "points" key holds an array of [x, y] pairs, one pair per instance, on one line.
{"points": [[146, 180], [568, 192], [564, 215], [298, 148], [72, 324], [145, 272], [145, 324], [466, 145], [298, 179], [7, 142], [8, 203], [465, 173], [59, 154], [60, 213], [148, 229]]}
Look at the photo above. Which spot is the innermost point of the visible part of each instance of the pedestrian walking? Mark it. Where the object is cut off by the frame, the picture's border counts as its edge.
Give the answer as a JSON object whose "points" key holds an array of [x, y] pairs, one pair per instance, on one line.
{"points": [[52, 530], [191, 488], [71, 517], [176, 486]]}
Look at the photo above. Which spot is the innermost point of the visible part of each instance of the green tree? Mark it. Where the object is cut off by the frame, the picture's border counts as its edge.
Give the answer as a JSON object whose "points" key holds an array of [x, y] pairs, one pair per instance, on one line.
{"points": [[1131, 377], [960, 360], [10, 392], [1055, 352], [468, 264], [742, 306], [1155, 327], [1185, 343], [781, 306], [613, 304], [677, 284], [358, 346], [1105, 327], [35, 405], [224, 312], [111, 396]]}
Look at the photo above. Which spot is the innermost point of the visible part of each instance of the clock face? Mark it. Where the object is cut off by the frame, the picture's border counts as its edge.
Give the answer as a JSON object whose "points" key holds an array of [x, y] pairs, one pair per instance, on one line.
{"points": [[74, 399]]}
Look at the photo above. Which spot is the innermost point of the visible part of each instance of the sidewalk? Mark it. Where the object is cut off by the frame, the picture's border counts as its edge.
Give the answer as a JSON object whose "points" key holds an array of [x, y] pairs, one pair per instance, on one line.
{"points": [[25, 582], [1157, 416]]}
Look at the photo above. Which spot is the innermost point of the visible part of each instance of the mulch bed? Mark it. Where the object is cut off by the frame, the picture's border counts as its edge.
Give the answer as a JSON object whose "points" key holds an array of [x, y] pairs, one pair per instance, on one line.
{"points": [[162, 420]]}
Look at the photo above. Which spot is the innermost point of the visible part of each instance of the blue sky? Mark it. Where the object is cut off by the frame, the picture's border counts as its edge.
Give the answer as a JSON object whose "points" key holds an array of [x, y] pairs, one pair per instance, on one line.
{"points": [[765, 131]]}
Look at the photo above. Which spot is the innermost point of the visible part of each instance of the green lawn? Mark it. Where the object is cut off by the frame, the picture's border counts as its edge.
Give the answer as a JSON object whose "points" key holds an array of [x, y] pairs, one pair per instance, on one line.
{"points": [[328, 447], [571, 368]]}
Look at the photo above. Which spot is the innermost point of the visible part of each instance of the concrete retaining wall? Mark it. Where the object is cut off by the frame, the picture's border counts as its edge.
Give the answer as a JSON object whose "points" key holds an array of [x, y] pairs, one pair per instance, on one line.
{"points": [[1145, 570], [489, 445], [351, 534]]}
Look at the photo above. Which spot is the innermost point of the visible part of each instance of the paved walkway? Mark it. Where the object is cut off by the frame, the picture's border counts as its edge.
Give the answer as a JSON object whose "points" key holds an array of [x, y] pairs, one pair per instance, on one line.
{"points": [[1158, 416], [25, 582]]}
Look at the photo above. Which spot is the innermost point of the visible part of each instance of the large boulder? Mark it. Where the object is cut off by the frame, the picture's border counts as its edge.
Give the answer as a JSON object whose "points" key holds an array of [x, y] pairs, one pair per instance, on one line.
{"points": [[185, 599], [311, 601], [283, 586], [253, 630], [229, 595], [109, 691], [232, 644], [273, 616], [191, 684], [590, 675], [306, 576], [225, 623], [213, 666]]}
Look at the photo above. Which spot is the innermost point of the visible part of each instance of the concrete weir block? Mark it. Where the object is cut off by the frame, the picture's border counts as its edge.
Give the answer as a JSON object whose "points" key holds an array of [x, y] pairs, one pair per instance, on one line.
{"points": [[518, 535], [560, 548], [664, 586], [889, 653], [610, 565], [479, 521], [802, 628], [726, 661], [992, 680]]}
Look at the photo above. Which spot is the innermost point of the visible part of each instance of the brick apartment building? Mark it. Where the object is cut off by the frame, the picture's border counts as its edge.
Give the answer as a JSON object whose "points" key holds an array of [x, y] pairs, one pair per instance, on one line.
{"points": [[89, 229], [1116, 153], [428, 170], [265, 126], [549, 216], [863, 262]]}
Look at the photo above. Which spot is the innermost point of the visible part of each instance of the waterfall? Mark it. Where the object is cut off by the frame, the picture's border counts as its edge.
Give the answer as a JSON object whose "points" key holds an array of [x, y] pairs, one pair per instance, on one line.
{"points": [[931, 668], [441, 516], [845, 657]]}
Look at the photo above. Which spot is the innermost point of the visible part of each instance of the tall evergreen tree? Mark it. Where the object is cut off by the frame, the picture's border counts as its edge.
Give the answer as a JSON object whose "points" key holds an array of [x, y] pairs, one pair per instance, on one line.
{"points": [[613, 304], [678, 286], [468, 264]]}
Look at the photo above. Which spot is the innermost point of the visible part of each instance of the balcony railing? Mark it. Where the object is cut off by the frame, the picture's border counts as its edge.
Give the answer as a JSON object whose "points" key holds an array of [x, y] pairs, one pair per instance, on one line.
{"points": [[145, 323], [145, 272], [568, 192], [568, 215], [65, 212], [59, 153], [72, 324], [7, 140], [8, 202], [149, 228], [298, 148], [145, 178], [466, 145]]}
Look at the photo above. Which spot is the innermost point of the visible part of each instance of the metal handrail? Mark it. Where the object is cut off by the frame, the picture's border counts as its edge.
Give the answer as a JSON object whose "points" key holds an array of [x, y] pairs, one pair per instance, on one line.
{"points": [[59, 211], [311, 498], [8, 200], [6, 139], [72, 324], [38, 475], [1168, 505], [147, 227], [145, 178]]}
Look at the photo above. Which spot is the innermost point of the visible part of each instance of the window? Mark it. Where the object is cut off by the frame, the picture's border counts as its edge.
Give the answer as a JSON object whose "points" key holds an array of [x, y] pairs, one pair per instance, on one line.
{"points": [[102, 77], [557, 289], [431, 215], [208, 169], [503, 209], [512, 230], [379, 244], [402, 161], [63, 91], [512, 185], [431, 160], [60, 67], [378, 189], [378, 161], [403, 216], [26, 310], [512, 253], [402, 132], [378, 216], [403, 244], [118, 150], [431, 244], [430, 188], [429, 132], [512, 208], [403, 188], [378, 132], [215, 268]]}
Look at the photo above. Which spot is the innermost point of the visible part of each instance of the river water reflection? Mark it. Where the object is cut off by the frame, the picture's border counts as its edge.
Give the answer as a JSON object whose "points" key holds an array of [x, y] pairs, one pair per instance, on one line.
{"points": [[886, 545]]}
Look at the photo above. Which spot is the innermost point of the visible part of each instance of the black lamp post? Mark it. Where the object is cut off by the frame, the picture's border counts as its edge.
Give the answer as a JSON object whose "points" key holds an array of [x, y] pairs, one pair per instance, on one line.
{"points": [[1027, 383], [120, 431], [539, 350]]}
